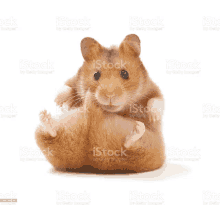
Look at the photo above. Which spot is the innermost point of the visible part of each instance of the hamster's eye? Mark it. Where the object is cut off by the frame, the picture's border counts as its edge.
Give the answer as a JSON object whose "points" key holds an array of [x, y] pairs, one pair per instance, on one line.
{"points": [[97, 75], [124, 74]]}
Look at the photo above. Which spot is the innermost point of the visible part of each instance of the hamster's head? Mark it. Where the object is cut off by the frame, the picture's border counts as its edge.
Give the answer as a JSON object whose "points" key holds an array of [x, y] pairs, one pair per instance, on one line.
{"points": [[114, 76]]}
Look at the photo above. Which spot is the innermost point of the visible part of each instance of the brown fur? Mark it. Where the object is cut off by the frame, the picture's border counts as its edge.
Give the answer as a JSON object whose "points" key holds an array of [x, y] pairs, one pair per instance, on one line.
{"points": [[88, 125]]}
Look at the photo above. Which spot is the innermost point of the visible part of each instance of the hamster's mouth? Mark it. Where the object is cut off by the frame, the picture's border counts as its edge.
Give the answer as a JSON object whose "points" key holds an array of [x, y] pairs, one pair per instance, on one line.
{"points": [[111, 108]]}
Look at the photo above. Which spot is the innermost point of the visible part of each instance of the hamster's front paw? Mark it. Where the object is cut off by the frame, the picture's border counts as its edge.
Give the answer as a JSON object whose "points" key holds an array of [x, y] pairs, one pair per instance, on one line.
{"points": [[135, 135], [49, 123], [65, 108], [155, 109]]}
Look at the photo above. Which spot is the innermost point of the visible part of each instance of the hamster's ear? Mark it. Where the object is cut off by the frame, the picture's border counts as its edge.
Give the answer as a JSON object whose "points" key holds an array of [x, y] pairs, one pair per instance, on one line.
{"points": [[130, 46], [90, 49]]}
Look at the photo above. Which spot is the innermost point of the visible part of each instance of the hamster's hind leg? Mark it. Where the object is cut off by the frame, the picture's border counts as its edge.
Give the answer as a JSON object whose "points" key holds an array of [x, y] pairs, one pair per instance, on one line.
{"points": [[64, 141], [140, 149]]}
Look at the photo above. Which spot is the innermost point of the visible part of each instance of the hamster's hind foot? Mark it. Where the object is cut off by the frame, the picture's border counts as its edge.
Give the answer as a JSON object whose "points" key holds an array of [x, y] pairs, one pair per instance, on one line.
{"points": [[48, 123], [139, 130]]}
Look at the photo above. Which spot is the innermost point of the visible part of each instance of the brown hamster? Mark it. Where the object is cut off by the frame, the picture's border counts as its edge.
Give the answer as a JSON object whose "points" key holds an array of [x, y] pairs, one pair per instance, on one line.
{"points": [[113, 113]]}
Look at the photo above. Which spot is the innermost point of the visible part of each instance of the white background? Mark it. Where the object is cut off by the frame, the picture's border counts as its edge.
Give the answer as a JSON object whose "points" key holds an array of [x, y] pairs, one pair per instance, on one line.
{"points": [[192, 103]]}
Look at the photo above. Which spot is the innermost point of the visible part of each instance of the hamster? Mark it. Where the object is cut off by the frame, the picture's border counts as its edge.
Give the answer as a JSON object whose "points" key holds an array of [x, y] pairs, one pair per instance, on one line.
{"points": [[112, 113]]}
